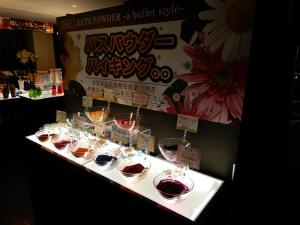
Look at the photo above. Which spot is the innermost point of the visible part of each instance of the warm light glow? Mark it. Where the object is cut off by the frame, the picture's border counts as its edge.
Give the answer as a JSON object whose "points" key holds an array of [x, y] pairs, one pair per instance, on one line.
{"points": [[74, 6]]}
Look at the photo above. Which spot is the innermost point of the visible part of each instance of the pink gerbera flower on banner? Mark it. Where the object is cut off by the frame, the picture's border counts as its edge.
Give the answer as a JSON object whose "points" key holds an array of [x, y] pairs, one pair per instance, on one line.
{"points": [[216, 87]]}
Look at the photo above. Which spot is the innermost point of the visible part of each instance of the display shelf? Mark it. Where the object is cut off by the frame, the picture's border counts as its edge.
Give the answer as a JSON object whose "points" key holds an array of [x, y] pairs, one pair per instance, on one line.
{"points": [[44, 96], [10, 98], [205, 187]]}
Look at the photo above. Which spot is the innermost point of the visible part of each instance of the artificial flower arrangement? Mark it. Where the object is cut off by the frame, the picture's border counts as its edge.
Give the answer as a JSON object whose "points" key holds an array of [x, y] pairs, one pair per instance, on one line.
{"points": [[26, 57]]}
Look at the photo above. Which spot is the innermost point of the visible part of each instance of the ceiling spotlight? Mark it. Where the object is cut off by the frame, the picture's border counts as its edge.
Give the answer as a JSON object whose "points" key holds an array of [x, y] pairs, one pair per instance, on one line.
{"points": [[74, 6]]}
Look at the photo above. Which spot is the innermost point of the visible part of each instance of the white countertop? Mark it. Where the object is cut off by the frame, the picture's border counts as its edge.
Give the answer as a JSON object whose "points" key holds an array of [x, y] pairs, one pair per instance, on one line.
{"points": [[205, 187]]}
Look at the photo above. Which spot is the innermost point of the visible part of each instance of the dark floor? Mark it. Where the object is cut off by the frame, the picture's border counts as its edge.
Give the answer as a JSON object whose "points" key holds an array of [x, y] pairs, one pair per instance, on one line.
{"points": [[15, 208]]}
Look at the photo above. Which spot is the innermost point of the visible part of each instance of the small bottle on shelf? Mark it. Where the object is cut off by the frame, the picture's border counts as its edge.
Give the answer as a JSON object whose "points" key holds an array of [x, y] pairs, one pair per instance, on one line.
{"points": [[53, 89], [60, 89]]}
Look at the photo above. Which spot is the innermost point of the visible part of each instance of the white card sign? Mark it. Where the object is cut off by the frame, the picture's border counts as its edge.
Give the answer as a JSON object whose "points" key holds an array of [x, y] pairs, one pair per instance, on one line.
{"points": [[189, 156], [140, 99], [61, 116], [189, 123], [146, 142], [79, 122], [99, 128], [87, 101], [118, 135]]}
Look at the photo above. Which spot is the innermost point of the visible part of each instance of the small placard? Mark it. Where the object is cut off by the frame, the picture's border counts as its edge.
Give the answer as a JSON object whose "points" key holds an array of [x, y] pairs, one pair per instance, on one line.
{"points": [[189, 156], [118, 135], [99, 128], [61, 116], [124, 101], [140, 99], [189, 123], [109, 94], [87, 101], [78, 122], [146, 142]]}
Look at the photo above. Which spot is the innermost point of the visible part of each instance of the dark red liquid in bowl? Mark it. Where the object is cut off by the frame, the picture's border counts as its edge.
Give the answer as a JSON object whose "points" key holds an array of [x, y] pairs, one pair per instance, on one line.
{"points": [[43, 137], [171, 188]]}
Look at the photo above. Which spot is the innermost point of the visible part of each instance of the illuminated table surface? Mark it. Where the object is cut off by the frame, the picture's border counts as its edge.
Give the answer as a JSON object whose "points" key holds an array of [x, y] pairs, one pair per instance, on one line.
{"points": [[205, 187], [44, 96]]}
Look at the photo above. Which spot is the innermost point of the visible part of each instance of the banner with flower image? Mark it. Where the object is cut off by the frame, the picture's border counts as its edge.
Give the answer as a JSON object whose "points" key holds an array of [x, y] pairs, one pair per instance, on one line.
{"points": [[189, 58]]}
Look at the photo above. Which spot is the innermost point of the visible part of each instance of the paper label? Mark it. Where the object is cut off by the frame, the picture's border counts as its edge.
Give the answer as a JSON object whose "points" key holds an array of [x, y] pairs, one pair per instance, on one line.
{"points": [[61, 116], [190, 156], [189, 123], [140, 99], [79, 122], [146, 142], [87, 101], [118, 135], [99, 128]]}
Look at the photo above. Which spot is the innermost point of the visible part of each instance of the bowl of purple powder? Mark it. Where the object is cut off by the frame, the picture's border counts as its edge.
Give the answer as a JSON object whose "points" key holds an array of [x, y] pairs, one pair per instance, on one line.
{"points": [[172, 186]]}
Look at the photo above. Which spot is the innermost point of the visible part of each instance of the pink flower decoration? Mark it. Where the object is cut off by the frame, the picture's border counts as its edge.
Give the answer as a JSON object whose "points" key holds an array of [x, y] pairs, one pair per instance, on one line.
{"points": [[216, 87]]}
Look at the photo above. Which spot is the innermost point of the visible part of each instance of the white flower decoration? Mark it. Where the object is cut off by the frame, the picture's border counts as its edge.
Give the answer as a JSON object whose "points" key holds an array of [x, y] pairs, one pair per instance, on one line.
{"points": [[231, 27], [25, 56]]}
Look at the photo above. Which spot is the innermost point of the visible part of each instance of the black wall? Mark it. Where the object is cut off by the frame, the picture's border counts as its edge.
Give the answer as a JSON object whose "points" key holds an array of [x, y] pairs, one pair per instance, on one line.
{"points": [[12, 41]]}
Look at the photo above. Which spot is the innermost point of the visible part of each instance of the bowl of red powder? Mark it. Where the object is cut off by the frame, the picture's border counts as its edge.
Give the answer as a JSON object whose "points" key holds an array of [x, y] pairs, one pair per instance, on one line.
{"points": [[82, 149], [134, 168], [42, 135]]}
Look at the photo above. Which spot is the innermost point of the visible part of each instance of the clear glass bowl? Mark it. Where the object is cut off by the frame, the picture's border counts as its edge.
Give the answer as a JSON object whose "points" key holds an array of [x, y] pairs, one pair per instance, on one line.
{"points": [[82, 149], [61, 141], [173, 187], [97, 113], [133, 169], [127, 121], [42, 135], [169, 147], [108, 159]]}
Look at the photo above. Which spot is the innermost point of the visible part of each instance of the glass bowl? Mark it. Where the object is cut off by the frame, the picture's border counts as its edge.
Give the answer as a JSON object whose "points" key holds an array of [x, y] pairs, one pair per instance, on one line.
{"points": [[108, 159], [173, 187], [127, 121], [97, 113], [82, 149], [42, 135], [61, 141], [133, 169], [169, 147]]}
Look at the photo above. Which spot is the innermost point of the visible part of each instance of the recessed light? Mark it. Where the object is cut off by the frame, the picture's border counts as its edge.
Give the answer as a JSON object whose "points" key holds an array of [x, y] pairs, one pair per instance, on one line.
{"points": [[74, 6]]}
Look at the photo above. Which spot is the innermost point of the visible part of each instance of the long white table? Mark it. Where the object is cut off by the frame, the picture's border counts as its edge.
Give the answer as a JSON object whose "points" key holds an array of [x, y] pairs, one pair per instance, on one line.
{"points": [[205, 187]]}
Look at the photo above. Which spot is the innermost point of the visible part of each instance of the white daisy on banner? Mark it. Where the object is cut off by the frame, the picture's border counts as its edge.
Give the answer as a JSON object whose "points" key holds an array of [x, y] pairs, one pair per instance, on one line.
{"points": [[230, 27]]}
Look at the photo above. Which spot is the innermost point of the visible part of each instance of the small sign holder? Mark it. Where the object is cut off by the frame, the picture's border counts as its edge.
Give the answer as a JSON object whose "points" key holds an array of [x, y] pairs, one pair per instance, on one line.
{"points": [[146, 141], [187, 123], [61, 116]]}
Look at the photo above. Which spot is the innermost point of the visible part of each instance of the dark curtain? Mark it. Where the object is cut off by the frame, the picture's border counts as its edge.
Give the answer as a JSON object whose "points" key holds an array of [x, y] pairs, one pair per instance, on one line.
{"points": [[12, 41]]}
